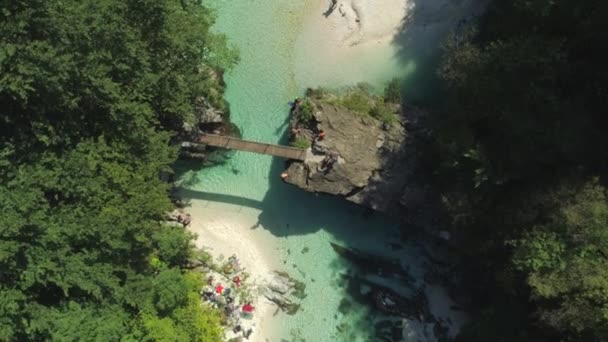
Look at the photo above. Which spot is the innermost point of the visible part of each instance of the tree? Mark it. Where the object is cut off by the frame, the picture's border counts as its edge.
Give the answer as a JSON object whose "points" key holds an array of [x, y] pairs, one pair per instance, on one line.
{"points": [[566, 263], [90, 94], [523, 126]]}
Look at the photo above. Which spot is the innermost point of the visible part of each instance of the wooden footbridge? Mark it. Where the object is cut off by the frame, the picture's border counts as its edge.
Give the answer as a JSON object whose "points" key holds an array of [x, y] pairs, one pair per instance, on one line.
{"points": [[252, 146]]}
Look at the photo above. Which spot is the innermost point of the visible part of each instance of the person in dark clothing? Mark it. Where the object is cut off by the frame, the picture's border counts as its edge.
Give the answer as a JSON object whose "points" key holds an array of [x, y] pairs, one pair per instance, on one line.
{"points": [[328, 162], [248, 333]]}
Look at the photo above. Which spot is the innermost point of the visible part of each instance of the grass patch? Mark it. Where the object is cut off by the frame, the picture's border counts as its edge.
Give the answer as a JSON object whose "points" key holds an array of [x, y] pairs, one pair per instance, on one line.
{"points": [[301, 142], [384, 112], [357, 101], [361, 100]]}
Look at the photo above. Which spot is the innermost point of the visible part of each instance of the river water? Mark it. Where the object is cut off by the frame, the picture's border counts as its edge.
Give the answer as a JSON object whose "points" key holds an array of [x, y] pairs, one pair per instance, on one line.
{"points": [[298, 225]]}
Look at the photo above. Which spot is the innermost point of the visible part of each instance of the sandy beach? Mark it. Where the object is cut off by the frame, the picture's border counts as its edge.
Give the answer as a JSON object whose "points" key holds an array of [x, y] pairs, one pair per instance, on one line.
{"points": [[350, 44], [224, 230], [372, 40]]}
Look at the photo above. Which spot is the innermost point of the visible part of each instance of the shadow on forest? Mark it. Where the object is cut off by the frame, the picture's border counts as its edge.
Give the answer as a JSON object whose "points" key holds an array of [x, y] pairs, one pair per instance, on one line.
{"points": [[423, 30]]}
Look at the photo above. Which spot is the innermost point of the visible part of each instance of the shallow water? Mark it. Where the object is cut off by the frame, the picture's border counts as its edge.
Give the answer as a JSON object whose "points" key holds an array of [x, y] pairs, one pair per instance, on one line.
{"points": [[301, 224]]}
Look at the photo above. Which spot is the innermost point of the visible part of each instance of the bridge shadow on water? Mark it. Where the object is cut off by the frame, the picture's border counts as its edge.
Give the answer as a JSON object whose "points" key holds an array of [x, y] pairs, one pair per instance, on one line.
{"points": [[222, 198]]}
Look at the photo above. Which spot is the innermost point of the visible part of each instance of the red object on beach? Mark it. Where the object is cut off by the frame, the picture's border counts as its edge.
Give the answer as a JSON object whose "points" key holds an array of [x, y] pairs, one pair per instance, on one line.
{"points": [[219, 289], [237, 281], [248, 308]]}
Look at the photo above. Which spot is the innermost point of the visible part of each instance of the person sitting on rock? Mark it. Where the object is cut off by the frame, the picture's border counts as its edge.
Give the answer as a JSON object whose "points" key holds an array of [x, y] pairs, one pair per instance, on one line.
{"points": [[321, 135], [328, 162], [295, 105]]}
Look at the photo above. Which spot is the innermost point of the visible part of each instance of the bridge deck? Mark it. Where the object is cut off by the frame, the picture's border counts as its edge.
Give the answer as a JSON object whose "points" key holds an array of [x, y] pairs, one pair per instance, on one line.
{"points": [[252, 146]]}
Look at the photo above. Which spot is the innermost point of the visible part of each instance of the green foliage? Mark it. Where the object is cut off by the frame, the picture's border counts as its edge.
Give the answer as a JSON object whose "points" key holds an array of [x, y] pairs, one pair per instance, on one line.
{"points": [[174, 311], [566, 262], [306, 111], [524, 125], [301, 142], [360, 100], [173, 245], [356, 100], [392, 91], [89, 94], [317, 93], [384, 112], [535, 90]]}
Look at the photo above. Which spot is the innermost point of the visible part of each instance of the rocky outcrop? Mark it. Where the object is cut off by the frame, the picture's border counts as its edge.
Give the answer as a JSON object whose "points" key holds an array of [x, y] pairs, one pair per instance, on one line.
{"points": [[372, 159], [210, 114], [284, 291], [205, 113]]}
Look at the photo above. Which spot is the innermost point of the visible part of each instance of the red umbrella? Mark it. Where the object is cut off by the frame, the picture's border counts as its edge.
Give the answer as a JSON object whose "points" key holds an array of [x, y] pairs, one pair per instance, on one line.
{"points": [[248, 308], [219, 288]]}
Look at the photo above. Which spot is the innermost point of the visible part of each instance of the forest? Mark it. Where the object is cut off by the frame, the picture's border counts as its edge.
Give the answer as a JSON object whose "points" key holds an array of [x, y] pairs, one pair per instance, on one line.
{"points": [[90, 94], [520, 157]]}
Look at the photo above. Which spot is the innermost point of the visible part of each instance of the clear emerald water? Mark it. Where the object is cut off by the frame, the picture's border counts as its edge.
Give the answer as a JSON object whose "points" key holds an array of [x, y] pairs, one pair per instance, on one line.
{"points": [[258, 90]]}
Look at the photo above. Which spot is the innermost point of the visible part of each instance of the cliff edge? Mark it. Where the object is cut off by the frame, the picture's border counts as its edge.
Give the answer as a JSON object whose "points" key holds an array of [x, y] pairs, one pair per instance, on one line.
{"points": [[358, 148]]}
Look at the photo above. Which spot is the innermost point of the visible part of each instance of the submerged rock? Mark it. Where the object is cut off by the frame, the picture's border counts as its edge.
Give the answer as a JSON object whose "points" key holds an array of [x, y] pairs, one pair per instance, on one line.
{"points": [[375, 264]]}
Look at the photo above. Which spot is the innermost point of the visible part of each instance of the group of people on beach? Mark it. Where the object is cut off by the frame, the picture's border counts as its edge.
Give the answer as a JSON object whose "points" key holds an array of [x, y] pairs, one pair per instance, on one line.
{"points": [[225, 298]]}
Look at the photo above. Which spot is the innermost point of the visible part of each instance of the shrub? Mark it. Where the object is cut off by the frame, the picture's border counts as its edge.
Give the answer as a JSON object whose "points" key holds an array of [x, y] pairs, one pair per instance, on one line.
{"points": [[305, 113], [356, 101], [392, 92], [384, 112], [301, 142], [316, 93]]}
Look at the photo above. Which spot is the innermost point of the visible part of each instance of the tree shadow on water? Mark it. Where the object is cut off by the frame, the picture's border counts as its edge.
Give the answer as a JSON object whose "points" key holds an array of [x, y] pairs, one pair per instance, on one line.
{"points": [[424, 28]]}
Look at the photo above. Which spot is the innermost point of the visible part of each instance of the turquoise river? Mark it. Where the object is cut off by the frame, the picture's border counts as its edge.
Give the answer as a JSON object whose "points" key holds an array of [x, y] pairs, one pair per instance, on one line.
{"points": [[298, 226]]}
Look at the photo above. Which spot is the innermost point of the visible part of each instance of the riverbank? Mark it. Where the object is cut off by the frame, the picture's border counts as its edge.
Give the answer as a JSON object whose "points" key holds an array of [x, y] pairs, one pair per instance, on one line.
{"points": [[225, 230], [344, 46]]}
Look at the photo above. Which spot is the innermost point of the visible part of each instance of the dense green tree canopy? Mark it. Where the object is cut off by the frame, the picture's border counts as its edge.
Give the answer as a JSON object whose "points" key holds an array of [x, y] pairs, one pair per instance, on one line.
{"points": [[90, 92], [528, 88], [522, 152], [566, 260]]}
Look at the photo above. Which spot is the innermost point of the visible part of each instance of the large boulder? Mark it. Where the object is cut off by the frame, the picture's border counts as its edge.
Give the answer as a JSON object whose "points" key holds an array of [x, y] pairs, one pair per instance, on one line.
{"points": [[372, 162], [285, 292]]}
